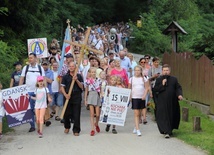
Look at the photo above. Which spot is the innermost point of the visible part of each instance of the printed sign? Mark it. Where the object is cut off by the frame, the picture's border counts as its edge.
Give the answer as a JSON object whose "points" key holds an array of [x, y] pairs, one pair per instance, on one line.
{"points": [[16, 104], [114, 108], [38, 46]]}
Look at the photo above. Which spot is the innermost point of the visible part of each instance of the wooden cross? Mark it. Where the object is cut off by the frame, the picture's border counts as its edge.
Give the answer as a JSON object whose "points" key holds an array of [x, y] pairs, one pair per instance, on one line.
{"points": [[83, 47]]}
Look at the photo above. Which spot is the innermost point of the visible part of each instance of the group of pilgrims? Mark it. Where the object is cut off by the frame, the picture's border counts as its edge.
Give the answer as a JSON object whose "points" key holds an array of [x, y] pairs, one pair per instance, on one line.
{"points": [[116, 67]]}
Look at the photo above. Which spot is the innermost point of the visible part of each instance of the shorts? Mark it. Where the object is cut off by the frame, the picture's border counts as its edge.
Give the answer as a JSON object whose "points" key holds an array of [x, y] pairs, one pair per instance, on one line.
{"points": [[57, 99], [138, 103]]}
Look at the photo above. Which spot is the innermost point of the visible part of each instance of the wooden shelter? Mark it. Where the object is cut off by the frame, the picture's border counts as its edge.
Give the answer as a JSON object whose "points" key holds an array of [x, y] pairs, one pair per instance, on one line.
{"points": [[174, 28]]}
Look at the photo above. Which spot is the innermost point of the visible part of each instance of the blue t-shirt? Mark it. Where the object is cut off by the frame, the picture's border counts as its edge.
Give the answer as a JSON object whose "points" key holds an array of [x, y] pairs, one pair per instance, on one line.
{"points": [[49, 74]]}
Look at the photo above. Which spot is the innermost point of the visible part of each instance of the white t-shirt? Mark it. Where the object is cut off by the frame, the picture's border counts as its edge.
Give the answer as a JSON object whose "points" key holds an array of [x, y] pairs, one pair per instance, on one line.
{"points": [[138, 86], [41, 98], [31, 76], [55, 83]]}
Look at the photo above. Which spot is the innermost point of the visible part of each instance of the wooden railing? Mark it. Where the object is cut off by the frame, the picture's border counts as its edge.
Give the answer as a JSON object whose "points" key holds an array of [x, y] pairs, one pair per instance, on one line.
{"points": [[195, 76]]}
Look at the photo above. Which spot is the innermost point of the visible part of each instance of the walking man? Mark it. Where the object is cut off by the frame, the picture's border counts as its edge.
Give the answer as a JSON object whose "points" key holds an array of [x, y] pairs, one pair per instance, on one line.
{"points": [[74, 104], [169, 92], [29, 75]]}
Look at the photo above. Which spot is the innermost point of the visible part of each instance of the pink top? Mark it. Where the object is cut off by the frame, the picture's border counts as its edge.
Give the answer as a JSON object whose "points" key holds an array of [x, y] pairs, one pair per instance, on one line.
{"points": [[122, 73]]}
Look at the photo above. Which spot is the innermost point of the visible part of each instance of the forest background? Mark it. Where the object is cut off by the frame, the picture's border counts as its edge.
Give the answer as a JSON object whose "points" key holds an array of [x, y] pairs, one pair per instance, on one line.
{"points": [[21, 20]]}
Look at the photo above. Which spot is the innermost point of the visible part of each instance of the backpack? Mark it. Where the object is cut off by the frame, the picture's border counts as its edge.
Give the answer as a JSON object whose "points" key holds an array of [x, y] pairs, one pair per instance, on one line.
{"points": [[27, 67]]}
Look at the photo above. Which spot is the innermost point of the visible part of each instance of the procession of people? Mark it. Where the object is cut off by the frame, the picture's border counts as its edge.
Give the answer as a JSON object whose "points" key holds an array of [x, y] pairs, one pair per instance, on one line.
{"points": [[48, 87]]}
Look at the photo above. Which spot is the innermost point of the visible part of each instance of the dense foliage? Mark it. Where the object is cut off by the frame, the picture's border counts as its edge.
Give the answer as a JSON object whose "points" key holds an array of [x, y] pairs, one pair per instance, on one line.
{"points": [[21, 20]]}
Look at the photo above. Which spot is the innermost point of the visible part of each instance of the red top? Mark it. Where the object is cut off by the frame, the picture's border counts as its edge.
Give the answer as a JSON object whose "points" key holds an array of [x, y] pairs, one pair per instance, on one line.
{"points": [[122, 73]]}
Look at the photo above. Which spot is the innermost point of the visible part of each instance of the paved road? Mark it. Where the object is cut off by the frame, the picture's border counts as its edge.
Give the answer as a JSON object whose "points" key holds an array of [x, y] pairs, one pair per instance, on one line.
{"points": [[55, 141]]}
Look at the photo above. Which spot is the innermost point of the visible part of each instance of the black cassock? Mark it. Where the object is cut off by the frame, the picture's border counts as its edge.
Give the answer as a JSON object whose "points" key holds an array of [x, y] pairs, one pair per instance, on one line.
{"points": [[167, 108]]}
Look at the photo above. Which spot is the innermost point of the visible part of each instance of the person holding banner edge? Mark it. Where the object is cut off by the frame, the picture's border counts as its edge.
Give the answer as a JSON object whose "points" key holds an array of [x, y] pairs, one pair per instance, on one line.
{"points": [[113, 82], [29, 77], [2, 111]]}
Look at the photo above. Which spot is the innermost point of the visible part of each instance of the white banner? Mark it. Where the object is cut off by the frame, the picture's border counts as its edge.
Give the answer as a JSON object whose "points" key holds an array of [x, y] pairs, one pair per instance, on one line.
{"points": [[16, 104], [115, 105], [38, 46]]}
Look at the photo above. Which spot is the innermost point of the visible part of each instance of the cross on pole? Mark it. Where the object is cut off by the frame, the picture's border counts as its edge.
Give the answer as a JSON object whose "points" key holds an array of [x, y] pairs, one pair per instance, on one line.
{"points": [[83, 46]]}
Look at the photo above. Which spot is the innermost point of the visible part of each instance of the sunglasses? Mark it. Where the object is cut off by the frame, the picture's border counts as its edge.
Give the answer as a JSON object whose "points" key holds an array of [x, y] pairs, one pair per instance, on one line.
{"points": [[146, 58], [40, 81], [142, 62]]}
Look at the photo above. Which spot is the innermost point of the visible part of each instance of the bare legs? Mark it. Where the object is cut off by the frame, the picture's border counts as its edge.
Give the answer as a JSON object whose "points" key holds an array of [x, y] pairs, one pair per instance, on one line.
{"points": [[40, 114]]}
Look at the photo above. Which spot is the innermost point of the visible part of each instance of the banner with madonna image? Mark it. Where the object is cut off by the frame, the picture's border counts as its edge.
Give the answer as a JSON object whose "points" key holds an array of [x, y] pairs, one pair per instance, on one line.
{"points": [[115, 105], [16, 104], [38, 46]]}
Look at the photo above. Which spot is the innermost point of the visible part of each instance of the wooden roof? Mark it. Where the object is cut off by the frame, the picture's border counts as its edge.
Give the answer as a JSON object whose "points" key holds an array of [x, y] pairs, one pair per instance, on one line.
{"points": [[174, 26]]}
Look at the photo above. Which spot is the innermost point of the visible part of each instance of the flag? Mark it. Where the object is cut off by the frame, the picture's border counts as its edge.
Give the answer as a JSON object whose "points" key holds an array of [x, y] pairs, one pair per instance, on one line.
{"points": [[66, 48]]}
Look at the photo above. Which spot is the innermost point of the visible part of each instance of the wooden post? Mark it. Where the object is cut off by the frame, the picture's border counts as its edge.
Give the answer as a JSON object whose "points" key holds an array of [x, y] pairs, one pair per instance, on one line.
{"points": [[185, 114], [196, 123], [83, 48]]}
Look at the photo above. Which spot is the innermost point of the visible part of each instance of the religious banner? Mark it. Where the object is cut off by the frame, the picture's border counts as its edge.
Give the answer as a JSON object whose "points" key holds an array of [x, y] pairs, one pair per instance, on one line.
{"points": [[115, 105], [16, 104], [139, 23], [38, 46]]}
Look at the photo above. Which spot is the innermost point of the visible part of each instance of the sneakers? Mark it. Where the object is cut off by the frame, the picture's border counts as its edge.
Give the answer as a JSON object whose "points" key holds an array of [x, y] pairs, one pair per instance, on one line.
{"points": [[31, 129], [167, 136], [40, 135], [114, 131], [134, 131], [107, 128], [138, 132], [92, 133], [97, 128]]}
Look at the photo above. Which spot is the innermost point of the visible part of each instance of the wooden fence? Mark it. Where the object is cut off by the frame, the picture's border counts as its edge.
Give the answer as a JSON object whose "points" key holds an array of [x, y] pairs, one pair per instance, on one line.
{"points": [[195, 76]]}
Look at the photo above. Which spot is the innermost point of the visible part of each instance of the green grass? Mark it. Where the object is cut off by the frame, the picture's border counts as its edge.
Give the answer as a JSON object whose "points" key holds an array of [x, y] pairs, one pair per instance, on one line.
{"points": [[203, 139], [5, 126]]}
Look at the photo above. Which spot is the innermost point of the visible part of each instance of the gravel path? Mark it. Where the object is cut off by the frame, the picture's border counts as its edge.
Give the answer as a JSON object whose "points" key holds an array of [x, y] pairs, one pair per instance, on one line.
{"points": [[54, 142]]}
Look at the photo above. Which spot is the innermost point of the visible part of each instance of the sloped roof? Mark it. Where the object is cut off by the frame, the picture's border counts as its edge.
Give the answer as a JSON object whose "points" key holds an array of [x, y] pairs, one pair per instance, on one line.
{"points": [[176, 26]]}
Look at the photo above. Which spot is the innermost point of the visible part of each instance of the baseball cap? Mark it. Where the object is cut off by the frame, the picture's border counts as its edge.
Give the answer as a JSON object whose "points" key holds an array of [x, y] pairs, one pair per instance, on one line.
{"points": [[40, 78], [69, 55]]}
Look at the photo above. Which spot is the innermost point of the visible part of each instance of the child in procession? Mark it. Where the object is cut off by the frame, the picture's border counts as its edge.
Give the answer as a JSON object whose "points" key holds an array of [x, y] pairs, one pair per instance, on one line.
{"points": [[92, 98], [104, 83], [42, 96], [113, 82], [120, 83], [139, 90]]}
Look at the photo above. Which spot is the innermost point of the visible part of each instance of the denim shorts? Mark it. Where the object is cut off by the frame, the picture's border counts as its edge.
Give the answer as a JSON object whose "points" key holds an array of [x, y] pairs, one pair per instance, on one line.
{"points": [[57, 99]]}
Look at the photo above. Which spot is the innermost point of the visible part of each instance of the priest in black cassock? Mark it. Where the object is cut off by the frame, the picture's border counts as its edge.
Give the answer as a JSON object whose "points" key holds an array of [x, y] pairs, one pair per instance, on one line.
{"points": [[169, 92]]}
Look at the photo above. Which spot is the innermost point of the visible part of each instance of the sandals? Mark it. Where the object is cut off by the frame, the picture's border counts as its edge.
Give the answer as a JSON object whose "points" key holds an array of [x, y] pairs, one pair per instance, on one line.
{"points": [[57, 118], [114, 131], [66, 131], [52, 114], [144, 121]]}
